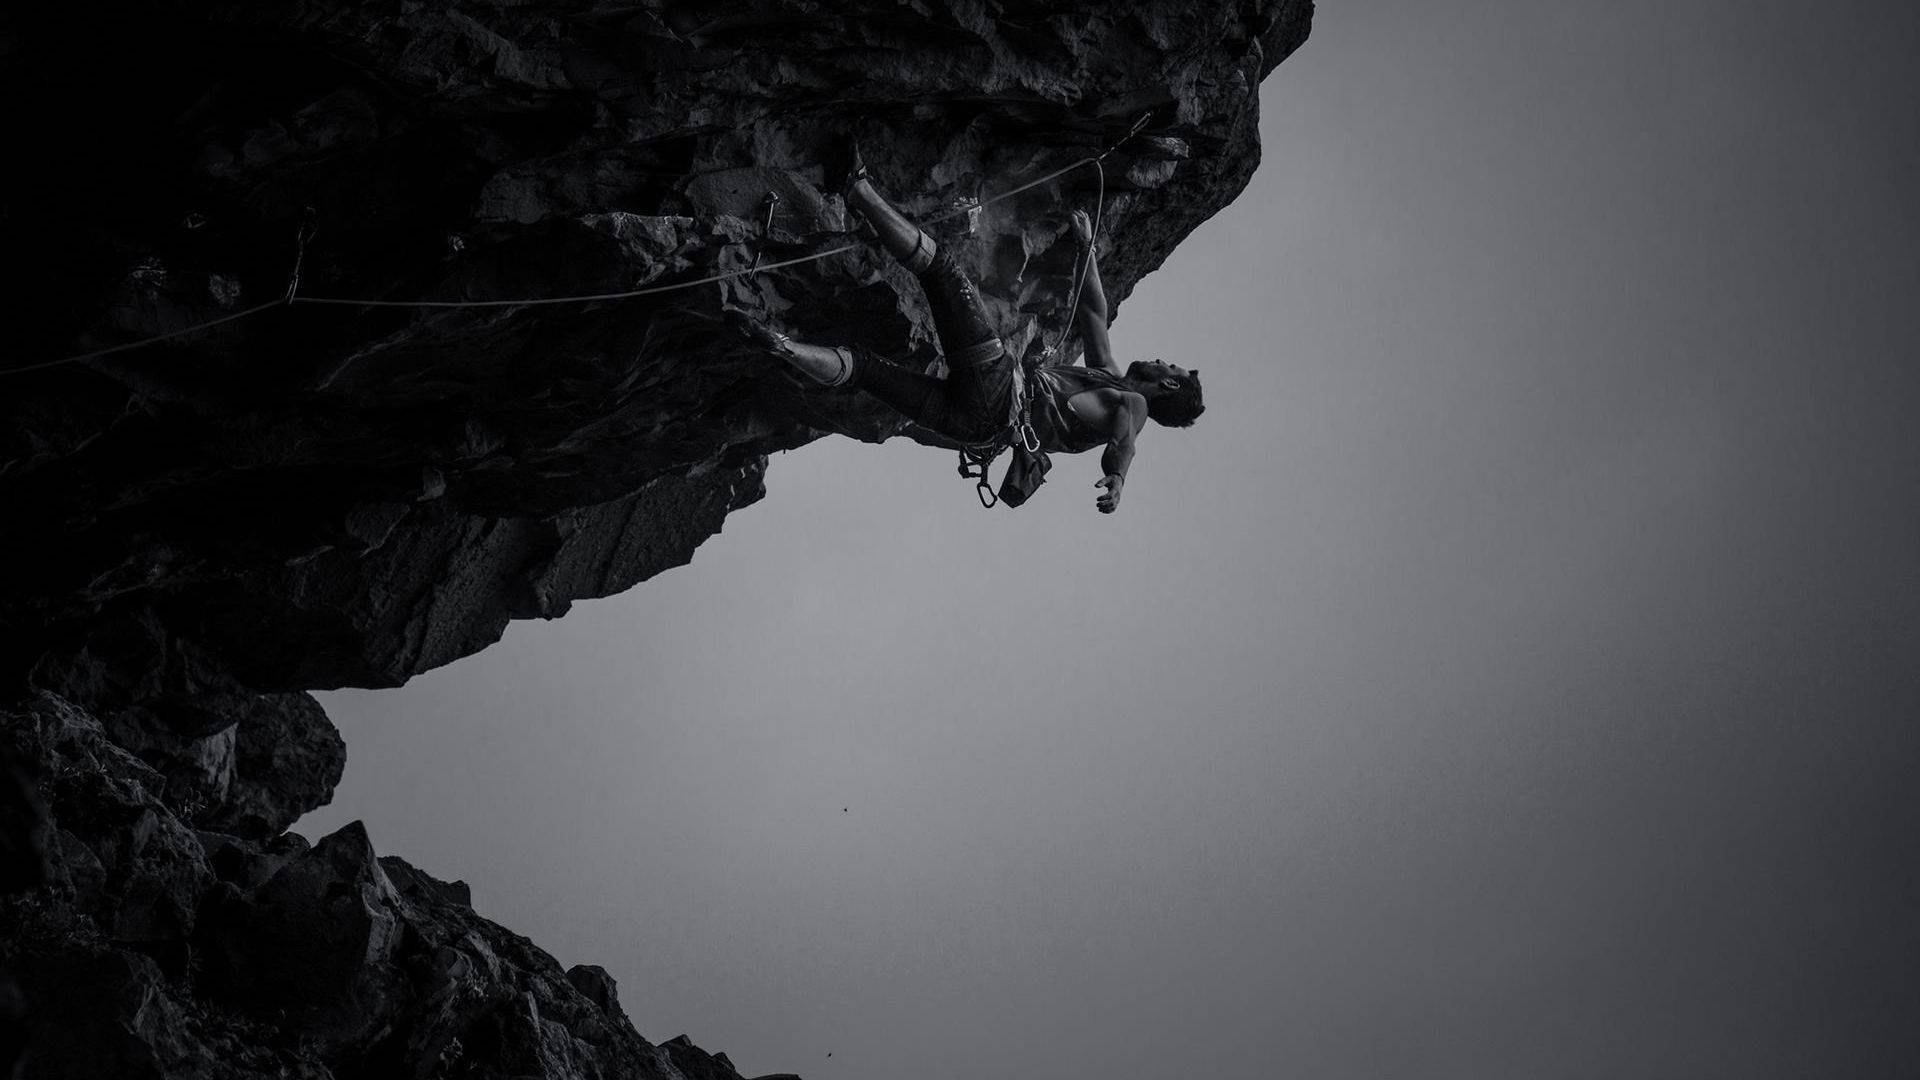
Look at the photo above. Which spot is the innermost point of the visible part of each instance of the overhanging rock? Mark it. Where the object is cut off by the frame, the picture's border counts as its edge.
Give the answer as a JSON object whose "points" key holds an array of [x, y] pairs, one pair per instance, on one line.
{"points": [[198, 531]]}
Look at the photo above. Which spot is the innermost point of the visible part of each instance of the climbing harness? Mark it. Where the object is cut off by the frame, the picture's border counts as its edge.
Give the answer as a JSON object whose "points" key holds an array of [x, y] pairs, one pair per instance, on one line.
{"points": [[1018, 434], [306, 230]]}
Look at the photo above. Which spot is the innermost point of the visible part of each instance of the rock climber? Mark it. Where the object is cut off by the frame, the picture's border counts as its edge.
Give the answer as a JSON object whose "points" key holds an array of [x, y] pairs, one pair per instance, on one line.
{"points": [[1072, 408]]}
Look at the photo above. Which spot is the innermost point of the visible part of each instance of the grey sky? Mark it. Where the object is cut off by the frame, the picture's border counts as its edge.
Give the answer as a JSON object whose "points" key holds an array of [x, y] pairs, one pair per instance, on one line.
{"points": [[1512, 674]]}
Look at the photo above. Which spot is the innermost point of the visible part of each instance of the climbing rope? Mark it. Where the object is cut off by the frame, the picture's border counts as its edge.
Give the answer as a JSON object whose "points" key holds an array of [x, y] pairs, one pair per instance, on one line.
{"points": [[306, 231]]}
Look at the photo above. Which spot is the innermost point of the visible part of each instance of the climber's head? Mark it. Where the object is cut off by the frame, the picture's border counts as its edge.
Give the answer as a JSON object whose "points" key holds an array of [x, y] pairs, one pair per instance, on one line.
{"points": [[1172, 392]]}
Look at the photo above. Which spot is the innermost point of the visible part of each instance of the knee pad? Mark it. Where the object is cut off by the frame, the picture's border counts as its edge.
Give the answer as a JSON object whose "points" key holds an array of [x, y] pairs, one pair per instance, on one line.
{"points": [[977, 353], [846, 366], [922, 255]]}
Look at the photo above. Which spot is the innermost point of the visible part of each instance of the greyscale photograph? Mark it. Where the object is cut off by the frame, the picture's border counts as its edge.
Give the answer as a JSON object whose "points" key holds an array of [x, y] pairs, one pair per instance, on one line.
{"points": [[960, 540]]}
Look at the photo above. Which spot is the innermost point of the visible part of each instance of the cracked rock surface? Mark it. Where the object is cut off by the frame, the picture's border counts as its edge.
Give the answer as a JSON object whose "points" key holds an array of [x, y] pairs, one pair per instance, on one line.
{"points": [[202, 530]]}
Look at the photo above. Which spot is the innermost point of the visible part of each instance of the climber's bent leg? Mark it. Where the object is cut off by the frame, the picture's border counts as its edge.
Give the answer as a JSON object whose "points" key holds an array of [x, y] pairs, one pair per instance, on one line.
{"points": [[972, 402], [966, 335], [902, 238], [979, 371]]}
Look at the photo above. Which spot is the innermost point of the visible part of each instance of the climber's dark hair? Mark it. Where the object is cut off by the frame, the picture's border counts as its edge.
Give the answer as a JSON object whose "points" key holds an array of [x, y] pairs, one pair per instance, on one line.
{"points": [[1178, 407]]}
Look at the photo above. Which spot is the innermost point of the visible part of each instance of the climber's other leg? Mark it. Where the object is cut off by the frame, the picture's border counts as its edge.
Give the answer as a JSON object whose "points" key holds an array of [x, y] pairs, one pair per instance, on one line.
{"points": [[826, 365], [823, 364], [902, 238], [919, 397]]}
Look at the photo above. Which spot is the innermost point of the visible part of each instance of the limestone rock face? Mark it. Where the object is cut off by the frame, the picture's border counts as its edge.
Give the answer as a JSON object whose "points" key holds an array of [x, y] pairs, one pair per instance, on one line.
{"points": [[313, 495]]}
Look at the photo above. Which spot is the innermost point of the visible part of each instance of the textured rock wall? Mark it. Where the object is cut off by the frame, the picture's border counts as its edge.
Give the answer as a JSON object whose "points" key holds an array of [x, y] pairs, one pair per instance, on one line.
{"points": [[313, 496]]}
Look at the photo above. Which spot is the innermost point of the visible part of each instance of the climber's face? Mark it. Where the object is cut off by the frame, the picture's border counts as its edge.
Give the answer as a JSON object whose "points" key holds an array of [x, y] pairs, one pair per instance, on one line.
{"points": [[1158, 371]]}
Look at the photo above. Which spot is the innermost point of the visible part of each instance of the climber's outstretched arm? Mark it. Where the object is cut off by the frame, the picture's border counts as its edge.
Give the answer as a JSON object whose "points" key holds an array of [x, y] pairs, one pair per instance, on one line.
{"points": [[1091, 316], [1129, 415]]}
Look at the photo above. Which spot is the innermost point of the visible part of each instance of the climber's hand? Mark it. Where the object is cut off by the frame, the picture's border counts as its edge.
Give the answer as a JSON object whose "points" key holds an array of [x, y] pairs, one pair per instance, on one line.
{"points": [[1110, 501], [1082, 227]]}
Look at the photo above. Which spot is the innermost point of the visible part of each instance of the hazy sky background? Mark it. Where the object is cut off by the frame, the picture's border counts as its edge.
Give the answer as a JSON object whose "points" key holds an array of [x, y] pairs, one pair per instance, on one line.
{"points": [[1514, 673]]}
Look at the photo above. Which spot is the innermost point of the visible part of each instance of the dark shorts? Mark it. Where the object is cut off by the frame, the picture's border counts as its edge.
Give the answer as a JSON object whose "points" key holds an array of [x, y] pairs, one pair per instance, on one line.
{"points": [[970, 404]]}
